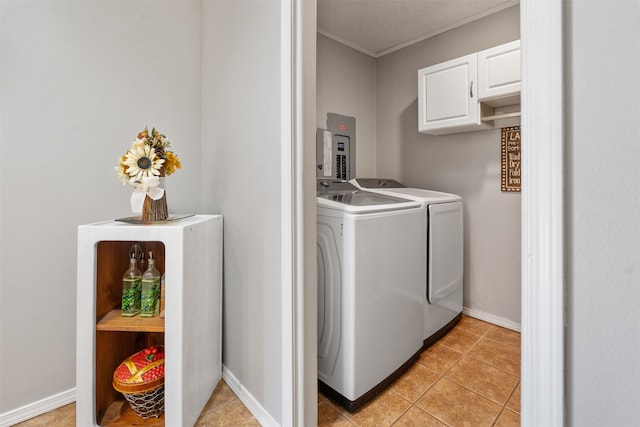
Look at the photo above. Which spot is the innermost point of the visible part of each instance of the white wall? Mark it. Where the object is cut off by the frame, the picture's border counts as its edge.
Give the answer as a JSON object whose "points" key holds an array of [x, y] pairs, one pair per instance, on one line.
{"points": [[602, 212], [382, 94], [78, 81], [346, 85], [241, 179]]}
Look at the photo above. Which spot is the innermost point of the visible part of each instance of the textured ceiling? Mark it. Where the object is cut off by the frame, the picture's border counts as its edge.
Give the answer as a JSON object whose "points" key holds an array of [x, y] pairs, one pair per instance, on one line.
{"points": [[377, 27]]}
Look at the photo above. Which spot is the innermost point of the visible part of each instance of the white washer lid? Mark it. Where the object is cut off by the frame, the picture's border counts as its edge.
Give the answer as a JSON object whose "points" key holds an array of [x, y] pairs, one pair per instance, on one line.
{"points": [[395, 188], [421, 194], [344, 196]]}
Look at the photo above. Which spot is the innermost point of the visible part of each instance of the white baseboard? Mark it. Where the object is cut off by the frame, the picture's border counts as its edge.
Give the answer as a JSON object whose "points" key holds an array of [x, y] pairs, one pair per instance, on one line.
{"points": [[40, 407], [48, 404], [257, 410], [496, 320]]}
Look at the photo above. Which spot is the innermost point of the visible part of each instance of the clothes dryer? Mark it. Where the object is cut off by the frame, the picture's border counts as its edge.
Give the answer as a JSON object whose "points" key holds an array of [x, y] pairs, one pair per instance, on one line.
{"points": [[443, 263], [370, 286]]}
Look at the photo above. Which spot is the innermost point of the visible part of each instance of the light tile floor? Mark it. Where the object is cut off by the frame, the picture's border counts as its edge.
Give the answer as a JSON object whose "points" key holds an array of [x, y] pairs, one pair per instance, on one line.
{"points": [[223, 409], [471, 377]]}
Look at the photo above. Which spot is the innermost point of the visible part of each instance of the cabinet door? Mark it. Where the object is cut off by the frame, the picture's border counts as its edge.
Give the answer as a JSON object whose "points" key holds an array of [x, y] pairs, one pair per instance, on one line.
{"points": [[447, 97], [499, 71]]}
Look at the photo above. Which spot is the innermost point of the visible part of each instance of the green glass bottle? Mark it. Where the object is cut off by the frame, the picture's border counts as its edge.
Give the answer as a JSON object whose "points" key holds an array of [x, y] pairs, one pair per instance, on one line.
{"points": [[150, 301], [131, 288]]}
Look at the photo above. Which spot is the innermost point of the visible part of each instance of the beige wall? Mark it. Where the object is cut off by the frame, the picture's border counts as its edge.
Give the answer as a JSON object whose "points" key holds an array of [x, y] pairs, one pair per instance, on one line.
{"points": [[241, 155], [467, 164], [78, 81], [346, 85], [602, 208]]}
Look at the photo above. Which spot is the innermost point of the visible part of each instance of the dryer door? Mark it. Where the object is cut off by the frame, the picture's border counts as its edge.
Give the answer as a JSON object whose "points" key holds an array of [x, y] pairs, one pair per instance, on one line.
{"points": [[329, 295], [446, 253]]}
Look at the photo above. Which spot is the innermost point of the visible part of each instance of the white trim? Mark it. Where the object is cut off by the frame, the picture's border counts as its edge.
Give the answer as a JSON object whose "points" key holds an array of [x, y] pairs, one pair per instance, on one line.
{"points": [[288, 217], [493, 319], [257, 410], [35, 409], [299, 406], [346, 43], [542, 214], [440, 30], [306, 219]]}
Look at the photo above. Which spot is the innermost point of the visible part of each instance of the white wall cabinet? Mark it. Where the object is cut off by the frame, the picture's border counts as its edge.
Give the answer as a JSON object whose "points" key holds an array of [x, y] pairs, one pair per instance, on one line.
{"points": [[189, 252], [448, 97], [499, 71], [458, 95]]}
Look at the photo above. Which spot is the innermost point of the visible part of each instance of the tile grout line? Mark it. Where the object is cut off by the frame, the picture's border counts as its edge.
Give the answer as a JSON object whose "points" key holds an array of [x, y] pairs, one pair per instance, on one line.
{"points": [[414, 404], [497, 417], [491, 366], [502, 342], [504, 407], [404, 412], [513, 392]]}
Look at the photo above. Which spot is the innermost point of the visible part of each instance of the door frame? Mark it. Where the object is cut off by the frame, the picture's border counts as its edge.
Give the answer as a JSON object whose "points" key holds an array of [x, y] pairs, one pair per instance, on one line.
{"points": [[542, 357], [298, 221], [542, 369]]}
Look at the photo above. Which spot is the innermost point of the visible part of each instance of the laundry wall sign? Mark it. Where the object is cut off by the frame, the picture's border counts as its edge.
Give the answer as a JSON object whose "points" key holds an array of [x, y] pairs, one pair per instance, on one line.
{"points": [[511, 159]]}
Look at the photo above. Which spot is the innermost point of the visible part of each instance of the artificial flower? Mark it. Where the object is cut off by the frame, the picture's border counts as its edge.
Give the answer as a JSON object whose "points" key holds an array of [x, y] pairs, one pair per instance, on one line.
{"points": [[171, 163], [142, 162], [147, 157], [144, 134], [122, 170], [155, 140]]}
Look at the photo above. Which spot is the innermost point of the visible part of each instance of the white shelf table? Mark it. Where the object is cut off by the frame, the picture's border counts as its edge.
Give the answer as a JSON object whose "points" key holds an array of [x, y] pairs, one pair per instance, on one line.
{"points": [[191, 251]]}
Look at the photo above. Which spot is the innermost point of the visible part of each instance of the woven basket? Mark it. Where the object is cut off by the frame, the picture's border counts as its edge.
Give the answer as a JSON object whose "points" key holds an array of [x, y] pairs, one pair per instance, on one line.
{"points": [[140, 378]]}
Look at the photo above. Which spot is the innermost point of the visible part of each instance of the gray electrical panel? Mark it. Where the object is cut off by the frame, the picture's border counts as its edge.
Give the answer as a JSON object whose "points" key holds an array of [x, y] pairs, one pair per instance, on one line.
{"points": [[336, 148]]}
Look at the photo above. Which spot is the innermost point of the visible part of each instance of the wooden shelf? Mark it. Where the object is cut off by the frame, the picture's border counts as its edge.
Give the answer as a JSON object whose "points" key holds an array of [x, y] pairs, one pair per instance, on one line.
{"points": [[114, 321], [120, 414]]}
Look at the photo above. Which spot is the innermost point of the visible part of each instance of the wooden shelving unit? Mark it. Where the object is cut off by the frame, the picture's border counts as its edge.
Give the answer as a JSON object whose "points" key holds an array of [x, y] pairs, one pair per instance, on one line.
{"points": [[119, 337], [191, 250]]}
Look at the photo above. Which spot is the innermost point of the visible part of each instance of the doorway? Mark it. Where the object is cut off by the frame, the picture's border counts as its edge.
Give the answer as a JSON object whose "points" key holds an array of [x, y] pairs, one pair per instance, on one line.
{"points": [[542, 258]]}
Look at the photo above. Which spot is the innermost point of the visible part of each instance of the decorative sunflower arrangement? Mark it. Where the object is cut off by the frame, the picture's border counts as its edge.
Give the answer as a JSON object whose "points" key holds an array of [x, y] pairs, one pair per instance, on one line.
{"points": [[143, 165]]}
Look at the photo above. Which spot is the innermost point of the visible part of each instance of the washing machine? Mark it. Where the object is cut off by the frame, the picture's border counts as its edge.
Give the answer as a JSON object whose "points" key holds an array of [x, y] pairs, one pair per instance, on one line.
{"points": [[370, 290], [444, 236]]}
